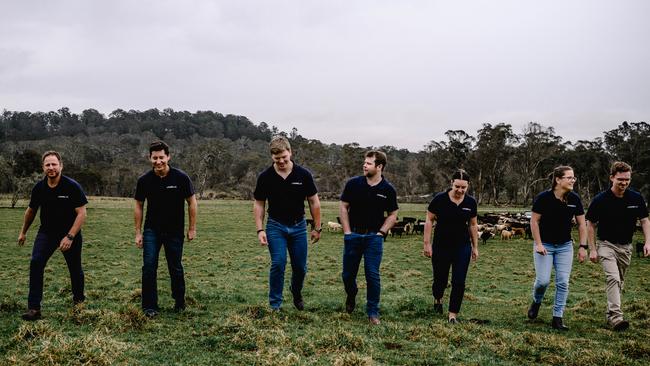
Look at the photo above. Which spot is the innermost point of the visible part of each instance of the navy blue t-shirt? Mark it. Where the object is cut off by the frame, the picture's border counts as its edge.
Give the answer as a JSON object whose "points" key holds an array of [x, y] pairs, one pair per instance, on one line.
{"points": [[57, 205], [369, 203], [452, 221], [286, 196], [165, 199], [616, 217], [555, 223]]}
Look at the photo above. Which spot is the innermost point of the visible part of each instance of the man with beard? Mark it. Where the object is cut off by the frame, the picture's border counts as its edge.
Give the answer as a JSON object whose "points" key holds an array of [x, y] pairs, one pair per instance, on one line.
{"points": [[63, 212], [364, 201], [614, 213]]}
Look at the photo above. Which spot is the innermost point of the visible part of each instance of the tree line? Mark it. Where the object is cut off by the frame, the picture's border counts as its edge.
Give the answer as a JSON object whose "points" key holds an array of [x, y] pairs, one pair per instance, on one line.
{"points": [[224, 153]]}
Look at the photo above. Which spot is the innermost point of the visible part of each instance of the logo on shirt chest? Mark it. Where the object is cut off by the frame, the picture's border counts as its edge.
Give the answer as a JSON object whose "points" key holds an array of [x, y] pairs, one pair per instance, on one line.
{"points": [[381, 195], [171, 187], [466, 209], [63, 197], [296, 183], [572, 206], [632, 206]]}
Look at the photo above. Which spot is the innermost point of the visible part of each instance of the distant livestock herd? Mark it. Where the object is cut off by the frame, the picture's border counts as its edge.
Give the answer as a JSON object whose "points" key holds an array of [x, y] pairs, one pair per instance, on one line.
{"points": [[505, 226]]}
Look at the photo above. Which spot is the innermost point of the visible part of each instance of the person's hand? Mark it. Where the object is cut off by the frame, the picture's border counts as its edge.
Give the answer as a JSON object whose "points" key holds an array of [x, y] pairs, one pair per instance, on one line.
{"points": [[191, 234], [21, 239], [582, 255], [65, 244], [261, 236], [427, 251], [593, 256], [539, 249], [474, 254], [315, 236], [646, 249], [138, 240]]}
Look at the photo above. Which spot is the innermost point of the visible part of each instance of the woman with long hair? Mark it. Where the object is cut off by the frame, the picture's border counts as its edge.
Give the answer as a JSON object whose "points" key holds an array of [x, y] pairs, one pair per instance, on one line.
{"points": [[551, 224], [455, 241]]}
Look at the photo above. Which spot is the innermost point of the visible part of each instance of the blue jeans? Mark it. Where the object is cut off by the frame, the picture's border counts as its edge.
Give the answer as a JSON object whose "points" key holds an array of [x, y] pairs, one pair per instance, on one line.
{"points": [[371, 247], [457, 257], [283, 238], [559, 257], [44, 246], [152, 241]]}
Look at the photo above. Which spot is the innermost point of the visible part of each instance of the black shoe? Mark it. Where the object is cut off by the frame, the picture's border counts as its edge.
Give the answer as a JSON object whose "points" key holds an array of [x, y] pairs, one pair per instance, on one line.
{"points": [[533, 310], [32, 314], [437, 308], [150, 313], [299, 303], [621, 326], [557, 323], [350, 303], [179, 307]]}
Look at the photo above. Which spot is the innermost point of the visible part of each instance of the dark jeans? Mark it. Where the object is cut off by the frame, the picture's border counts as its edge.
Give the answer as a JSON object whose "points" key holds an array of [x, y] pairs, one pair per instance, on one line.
{"points": [[152, 241], [283, 239], [457, 257], [44, 246], [369, 246]]}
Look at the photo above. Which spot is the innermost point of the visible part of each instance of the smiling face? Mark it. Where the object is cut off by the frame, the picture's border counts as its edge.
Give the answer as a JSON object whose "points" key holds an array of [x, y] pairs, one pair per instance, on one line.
{"points": [[458, 188], [620, 181], [567, 181], [159, 162], [52, 167], [282, 160]]}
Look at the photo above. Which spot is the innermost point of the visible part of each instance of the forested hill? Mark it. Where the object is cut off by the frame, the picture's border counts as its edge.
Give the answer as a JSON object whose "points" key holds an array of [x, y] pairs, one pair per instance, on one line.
{"points": [[224, 153]]}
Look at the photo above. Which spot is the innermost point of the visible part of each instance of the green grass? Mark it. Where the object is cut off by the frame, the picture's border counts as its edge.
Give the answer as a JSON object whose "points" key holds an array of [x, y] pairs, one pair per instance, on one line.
{"points": [[228, 320]]}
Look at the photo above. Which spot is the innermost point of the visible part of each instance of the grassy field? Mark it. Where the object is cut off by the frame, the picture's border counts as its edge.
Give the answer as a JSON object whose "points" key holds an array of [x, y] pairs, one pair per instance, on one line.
{"points": [[228, 320]]}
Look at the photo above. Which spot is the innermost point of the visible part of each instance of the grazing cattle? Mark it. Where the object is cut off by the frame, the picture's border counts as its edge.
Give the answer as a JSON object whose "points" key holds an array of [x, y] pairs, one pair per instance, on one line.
{"points": [[406, 219], [485, 235], [418, 228], [506, 235], [333, 226], [639, 249], [397, 230], [518, 231], [408, 228]]}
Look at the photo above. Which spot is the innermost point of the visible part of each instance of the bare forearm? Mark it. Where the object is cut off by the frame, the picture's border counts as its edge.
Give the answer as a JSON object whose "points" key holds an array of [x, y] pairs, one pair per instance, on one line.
{"points": [[28, 219], [137, 217], [192, 209], [389, 222], [258, 214], [314, 210], [345, 218], [78, 221]]}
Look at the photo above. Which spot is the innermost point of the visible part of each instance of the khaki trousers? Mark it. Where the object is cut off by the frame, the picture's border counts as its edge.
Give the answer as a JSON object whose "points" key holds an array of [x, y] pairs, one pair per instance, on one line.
{"points": [[615, 260]]}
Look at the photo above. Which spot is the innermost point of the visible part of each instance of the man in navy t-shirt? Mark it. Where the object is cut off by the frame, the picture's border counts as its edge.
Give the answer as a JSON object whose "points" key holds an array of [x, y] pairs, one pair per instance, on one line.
{"points": [[364, 201], [63, 212], [286, 185], [614, 214], [166, 190]]}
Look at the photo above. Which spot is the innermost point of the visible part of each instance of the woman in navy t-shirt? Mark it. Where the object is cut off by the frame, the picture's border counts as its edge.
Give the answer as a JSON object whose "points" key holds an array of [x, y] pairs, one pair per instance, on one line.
{"points": [[551, 224], [455, 241]]}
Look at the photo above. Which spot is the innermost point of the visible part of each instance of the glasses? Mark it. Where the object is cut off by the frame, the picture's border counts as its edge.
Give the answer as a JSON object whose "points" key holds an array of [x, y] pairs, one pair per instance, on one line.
{"points": [[571, 178]]}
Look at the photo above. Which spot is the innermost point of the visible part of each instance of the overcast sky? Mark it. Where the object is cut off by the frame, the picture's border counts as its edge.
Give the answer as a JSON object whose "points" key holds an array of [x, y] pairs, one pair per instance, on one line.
{"points": [[376, 72]]}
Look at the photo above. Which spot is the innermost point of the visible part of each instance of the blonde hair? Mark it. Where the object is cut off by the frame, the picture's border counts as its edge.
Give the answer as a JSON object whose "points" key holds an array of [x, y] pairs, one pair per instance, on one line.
{"points": [[279, 144]]}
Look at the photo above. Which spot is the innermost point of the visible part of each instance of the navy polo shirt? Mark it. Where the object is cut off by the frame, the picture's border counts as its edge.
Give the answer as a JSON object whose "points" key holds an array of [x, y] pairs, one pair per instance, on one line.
{"points": [[165, 199], [452, 220], [369, 203], [57, 205], [286, 196], [555, 223], [616, 217]]}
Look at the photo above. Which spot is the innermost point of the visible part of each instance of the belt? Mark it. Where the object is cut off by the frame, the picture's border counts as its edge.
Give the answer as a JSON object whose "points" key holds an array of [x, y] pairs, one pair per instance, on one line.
{"points": [[290, 222], [362, 230]]}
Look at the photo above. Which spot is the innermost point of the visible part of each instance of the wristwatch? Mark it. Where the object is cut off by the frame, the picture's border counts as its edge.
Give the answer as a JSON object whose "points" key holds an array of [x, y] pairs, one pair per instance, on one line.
{"points": [[319, 230], [70, 236], [584, 246]]}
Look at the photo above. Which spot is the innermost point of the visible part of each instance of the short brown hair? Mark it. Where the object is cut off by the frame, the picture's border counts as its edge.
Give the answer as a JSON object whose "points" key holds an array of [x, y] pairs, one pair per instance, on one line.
{"points": [[558, 172], [278, 144], [51, 153], [380, 157], [460, 174], [159, 145], [619, 167]]}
